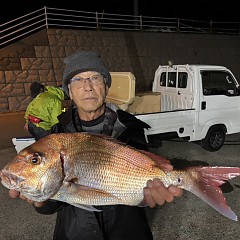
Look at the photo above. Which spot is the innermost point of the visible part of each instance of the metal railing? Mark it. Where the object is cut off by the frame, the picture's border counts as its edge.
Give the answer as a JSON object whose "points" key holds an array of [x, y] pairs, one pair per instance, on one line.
{"points": [[73, 19]]}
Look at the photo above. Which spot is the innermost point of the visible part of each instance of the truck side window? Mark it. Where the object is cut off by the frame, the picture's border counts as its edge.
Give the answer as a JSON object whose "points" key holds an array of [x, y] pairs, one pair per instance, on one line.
{"points": [[163, 79], [218, 83], [182, 79], [172, 79]]}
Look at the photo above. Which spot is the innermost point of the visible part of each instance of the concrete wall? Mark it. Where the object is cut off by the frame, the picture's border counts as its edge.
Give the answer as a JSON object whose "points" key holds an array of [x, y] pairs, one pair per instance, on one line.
{"points": [[39, 57]]}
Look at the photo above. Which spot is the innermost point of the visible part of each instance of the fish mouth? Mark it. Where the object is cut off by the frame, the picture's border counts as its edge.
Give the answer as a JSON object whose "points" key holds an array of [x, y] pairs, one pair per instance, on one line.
{"points": [[9, 180]]}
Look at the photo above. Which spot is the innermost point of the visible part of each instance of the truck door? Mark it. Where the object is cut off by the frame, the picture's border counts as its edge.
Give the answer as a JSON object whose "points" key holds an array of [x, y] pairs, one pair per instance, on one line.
{"points": [[220, 100], [175, 85]]}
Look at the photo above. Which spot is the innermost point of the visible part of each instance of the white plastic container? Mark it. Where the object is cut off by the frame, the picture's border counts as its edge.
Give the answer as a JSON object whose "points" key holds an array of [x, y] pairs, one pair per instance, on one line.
{"points": [[122, 90], [22, 142]]}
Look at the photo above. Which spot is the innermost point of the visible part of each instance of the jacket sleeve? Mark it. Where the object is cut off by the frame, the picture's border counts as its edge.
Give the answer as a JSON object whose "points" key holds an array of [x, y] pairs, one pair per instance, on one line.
{"points": [[50, 207], [134, 134], [27, 111], [56, 111]]}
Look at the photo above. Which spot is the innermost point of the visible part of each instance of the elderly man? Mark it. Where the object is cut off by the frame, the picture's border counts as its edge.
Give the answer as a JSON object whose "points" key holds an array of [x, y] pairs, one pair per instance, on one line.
{"points": [[87, 80]]}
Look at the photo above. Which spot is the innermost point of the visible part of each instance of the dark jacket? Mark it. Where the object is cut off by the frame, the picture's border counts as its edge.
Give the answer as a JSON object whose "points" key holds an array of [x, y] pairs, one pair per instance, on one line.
{"points": [[114, 222]]}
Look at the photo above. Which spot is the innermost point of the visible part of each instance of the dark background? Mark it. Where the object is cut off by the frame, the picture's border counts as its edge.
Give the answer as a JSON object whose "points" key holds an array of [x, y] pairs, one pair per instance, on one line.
{"points": [[186, 9]]}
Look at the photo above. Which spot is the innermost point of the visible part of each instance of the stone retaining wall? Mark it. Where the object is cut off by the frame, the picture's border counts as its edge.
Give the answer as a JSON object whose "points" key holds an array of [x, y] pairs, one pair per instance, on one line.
{"points": [[39, 57]]}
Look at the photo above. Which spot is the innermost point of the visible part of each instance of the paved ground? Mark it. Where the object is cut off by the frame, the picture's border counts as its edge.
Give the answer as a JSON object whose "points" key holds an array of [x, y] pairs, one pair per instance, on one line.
{"points": [[188, 218]]}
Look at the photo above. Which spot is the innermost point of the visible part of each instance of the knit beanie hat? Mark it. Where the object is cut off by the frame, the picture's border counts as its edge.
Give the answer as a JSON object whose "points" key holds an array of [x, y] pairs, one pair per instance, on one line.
{"points": [[35, 89], [83, 61]]}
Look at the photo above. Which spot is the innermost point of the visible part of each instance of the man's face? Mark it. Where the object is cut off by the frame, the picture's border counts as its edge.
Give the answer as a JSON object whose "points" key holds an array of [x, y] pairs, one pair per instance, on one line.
{"points": [[88, 91]]}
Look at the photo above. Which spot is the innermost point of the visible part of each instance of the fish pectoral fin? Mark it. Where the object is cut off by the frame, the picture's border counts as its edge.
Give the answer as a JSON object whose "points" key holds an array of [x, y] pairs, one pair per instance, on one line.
{"points": [[96, 193], [78, 195], [85, 190]]}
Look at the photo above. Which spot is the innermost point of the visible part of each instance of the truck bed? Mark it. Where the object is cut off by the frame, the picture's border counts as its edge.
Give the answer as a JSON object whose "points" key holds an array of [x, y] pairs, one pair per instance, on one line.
{"points": [[177, 121]]}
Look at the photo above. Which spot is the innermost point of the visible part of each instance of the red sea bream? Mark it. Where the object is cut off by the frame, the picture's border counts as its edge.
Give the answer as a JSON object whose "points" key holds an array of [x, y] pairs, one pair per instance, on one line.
{"points": [[84, 169]]}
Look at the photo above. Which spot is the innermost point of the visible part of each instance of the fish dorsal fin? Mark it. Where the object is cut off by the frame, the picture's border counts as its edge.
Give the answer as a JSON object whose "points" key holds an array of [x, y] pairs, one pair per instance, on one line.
{"points": [[106, 137], [159, 160]]}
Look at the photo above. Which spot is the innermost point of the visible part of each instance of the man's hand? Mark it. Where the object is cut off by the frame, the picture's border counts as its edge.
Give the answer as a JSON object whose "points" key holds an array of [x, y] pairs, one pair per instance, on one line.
{"points": [[156, 193], [16, 194], [26, 127]]}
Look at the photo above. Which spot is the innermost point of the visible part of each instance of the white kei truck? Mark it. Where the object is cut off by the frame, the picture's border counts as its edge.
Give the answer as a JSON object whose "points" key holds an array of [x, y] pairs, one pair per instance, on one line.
{"points": [[198, 103]]}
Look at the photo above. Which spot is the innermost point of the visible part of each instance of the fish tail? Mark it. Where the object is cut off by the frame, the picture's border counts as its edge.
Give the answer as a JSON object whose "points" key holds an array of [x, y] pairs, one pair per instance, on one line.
{"points": [[206, 187]]}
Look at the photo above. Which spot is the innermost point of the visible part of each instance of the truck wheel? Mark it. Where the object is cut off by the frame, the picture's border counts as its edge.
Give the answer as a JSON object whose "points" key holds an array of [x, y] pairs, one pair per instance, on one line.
{"points": [[214, 139]]}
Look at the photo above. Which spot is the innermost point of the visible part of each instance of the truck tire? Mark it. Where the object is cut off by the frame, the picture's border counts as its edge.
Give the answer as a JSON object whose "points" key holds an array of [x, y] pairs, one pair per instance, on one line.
{"points": [[214, 139]]}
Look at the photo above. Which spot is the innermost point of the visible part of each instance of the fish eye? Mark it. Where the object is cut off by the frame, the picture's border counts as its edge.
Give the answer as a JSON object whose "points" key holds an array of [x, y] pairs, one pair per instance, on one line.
{"points": [[35, 159]]}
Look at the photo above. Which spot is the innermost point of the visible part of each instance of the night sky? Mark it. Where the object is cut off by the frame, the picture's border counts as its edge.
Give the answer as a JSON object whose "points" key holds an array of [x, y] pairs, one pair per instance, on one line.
{"points": [[186, 9]]}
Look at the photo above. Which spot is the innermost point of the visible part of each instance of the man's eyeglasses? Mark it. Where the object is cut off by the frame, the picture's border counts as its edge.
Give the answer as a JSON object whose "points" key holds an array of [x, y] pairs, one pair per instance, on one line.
{"points": [[96, 79]]}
